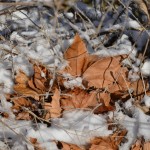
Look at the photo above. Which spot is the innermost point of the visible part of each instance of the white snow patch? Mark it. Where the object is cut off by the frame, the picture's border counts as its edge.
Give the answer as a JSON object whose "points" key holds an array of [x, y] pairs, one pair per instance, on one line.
{"points": [[22, 63], [146, 100], [76, 127], [6, 82], [146, 68], [137, 126], [75, 82]]}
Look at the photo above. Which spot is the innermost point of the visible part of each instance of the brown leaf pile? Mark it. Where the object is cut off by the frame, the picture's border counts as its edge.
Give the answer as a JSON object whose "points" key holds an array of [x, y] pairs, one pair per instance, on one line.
{"points": [[105, 81]]}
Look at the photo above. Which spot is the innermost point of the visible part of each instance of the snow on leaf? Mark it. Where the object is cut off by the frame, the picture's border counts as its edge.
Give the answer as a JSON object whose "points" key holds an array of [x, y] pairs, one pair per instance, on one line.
{"points": [[76, 55]]}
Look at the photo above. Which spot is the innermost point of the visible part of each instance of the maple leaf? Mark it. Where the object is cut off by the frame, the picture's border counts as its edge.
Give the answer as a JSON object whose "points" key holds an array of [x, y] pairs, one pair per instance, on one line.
{"points": [[53, 108], [105, 72], [79, 99], [76, 55]]}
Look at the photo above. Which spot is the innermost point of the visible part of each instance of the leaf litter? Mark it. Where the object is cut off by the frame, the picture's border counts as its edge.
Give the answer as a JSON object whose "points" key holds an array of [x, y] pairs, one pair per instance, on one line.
{"points": [[94, 84], [105, 81]]}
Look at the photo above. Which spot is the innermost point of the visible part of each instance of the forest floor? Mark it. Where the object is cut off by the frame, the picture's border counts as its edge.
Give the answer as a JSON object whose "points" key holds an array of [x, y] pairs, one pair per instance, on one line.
{"points": [[74, 75]]}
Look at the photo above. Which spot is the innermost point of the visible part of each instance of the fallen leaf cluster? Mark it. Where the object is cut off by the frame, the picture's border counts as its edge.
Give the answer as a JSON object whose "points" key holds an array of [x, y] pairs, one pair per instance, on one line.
{"points": [[105, 80]]}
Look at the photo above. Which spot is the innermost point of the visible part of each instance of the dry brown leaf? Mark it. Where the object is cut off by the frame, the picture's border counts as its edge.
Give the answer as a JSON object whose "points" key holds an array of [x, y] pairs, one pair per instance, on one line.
{"points": [[53, 108], [23, 116], [4, 114], [67, 146], [37, 72], [146, 146], [21, 78], [33, 140], [39, 84], [137, 145], [21, 89], [138, 88], [105, 98], [102, 109], [35, 144], [105, 72], [101, 146], [108, 143], [79, 99], [120, 94], [76, 55], [32, 86], [21, 102]]}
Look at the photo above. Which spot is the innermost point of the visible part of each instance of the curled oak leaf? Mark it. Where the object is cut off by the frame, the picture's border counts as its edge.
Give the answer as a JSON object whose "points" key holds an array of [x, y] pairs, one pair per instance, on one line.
{"points": [[53, 109], [76, 56], [23, 90], [105, 71]]}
